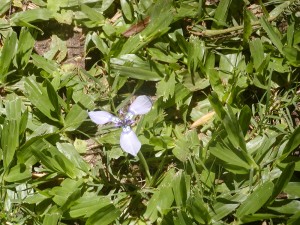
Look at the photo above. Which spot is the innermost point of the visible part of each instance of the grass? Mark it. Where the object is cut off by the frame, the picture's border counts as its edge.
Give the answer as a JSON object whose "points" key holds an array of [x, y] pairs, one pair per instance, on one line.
{"points": [[219, 146]]}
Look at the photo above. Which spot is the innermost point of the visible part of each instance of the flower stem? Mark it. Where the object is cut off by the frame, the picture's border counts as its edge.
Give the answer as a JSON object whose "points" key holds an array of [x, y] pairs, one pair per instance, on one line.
{"points": [[145, 165]]}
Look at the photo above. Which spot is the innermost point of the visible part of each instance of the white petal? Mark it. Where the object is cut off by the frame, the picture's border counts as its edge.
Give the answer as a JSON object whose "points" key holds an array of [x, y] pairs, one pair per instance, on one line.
{"points": [[129, 141], [100, 117], [141, 105]]}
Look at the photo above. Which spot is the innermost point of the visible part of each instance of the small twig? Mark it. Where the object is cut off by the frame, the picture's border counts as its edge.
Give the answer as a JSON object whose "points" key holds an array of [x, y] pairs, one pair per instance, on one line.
{"points": [[209, 33]]}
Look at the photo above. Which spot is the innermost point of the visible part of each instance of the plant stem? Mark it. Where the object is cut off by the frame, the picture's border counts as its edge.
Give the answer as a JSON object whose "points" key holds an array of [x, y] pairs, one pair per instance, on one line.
{"points": [[145, 165]]}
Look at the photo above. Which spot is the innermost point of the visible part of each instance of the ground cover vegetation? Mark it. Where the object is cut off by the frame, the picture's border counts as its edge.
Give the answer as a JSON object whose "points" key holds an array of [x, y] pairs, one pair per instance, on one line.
{"points": [[220, 144]]}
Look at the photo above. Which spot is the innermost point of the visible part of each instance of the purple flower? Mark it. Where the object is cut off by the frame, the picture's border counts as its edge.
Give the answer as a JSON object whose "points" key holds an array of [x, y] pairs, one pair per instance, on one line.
{"points": [[128, 140]]}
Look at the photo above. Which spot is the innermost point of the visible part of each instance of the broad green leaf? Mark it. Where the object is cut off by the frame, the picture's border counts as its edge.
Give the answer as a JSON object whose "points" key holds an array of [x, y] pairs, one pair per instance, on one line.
{"points": [[199, 209], [7, 55], [181, 219], [259, 217], [295, 219], [283, 180], [293, 189], [70, 152], [100, 43], [55, 160], [104, 216], [58, 50], [256, 199], [292, 54], [159, 55], [230, 123], [95, 18], [75, 118], [9, 141], [244, 119], [51, 218], [257, 53], [186, 146], [134, 67], [161, 18], [234, 160], [224, 205], [181, 188], [45, 100], [18, 173], [221, 13], [247, 26], [166, 87], [233, 130], [5, 5], [273, 35], [106, 4], [293, 142], [88, 205], [215, 82], [285, 206], [47, 65], [25, 46], [36, 198], [196, 51], [127, 9], [162, 198], [33, 15], [63, 193], [13, 109]]}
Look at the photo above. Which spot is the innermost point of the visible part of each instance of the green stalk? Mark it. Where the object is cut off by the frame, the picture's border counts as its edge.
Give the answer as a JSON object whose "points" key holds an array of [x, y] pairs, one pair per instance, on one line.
{"points": [[145, 165]]}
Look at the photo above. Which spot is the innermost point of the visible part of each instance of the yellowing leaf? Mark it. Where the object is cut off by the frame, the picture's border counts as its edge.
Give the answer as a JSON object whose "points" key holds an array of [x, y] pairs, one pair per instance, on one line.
{"points": [[203, 119]]}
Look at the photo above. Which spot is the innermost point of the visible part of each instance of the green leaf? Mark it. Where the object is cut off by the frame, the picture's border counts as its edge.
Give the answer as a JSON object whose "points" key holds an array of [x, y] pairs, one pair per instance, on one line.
{"points": [[221, 13], [44, 99], [285, 206], [230, 123], [224, 205], [28, 16], [70, 152], [18, 173], [9, 141], [234, 160], [181, 188], [159, 55], [54, 159], [45, 64], [5, 5], [51, 218], [134, 67], [104, 216], [25, 46], [88, 205], [273, 35], [7, 54], [198, 209], [196, 51], [63, 193], [283, 180], [247, 26], [127, 9], [292, 54], [161, 18], [166, 87], [162, 198], [293, 189], [293, 142], [95, 18], [256, 199], [244, 119], [75, 118], [257, 53]]}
